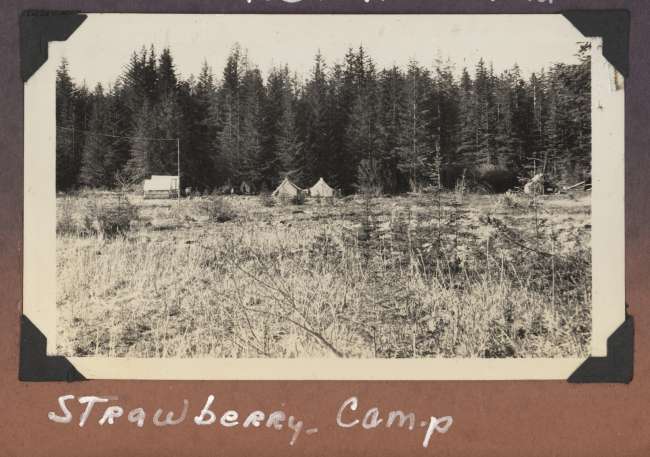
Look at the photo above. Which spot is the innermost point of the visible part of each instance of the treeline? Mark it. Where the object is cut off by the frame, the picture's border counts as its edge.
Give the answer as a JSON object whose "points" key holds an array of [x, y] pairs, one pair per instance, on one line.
{"points": [[387, 130]]}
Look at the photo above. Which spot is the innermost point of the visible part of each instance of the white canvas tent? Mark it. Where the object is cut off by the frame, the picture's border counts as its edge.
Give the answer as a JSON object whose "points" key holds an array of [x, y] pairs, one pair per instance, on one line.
{"points": [[321, 189], [287, 188], [161, 187], [540, 185]]}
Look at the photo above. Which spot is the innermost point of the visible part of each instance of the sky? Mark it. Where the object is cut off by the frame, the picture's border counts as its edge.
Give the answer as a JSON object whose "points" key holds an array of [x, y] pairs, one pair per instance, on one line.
{"points": [[98, 51]]}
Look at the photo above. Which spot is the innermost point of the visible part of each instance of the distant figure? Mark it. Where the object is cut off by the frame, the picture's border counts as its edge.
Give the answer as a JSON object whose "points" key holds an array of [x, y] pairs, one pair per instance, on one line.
{"points": [[232, 192], [188, 191]]}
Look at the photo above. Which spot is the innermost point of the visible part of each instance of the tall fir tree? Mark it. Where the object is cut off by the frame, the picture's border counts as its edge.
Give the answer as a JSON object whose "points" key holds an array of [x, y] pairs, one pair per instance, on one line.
{"points": [[391, 129], [416, 152], [314, 126], [67, 153], [391, 88]]}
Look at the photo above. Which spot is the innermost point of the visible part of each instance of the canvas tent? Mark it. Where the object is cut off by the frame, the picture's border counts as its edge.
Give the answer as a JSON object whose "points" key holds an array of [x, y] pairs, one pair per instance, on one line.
{"points": [[287, 188], [539, 185], [321, 189], [247, 187], [161, 187]]}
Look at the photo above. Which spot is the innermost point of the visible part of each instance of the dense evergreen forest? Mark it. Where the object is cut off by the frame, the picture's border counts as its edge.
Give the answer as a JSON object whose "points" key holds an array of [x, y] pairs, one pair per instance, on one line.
{"points": [[385, 130]]}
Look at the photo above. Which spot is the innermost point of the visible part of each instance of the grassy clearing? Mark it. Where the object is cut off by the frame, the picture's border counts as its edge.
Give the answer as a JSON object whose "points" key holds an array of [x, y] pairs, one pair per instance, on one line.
{"points": [[434, 275]]}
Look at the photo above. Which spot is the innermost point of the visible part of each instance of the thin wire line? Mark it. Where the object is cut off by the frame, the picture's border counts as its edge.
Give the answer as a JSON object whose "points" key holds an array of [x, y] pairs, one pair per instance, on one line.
{"points": [[201, 182], [140, 138], [192, 165], [116, 136]]}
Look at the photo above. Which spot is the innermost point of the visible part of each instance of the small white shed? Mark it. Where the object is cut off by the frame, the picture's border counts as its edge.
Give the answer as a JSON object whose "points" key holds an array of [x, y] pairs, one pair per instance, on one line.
{"points": [[161, 187]]}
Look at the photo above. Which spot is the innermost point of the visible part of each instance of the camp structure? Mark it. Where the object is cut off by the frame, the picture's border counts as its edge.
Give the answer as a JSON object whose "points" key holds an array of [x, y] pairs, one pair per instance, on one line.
{"points": [[321, 189], [161, 187], [539, 185], [534, 187], [286, 189], [247, 187]]}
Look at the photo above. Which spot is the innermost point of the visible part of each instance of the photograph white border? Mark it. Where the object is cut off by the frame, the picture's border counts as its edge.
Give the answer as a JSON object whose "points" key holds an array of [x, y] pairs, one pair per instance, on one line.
{"points": [[608, 249]]}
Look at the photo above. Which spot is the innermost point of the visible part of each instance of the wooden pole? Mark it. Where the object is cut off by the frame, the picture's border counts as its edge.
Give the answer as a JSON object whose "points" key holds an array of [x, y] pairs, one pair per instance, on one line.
{"points": [[178, 183]]}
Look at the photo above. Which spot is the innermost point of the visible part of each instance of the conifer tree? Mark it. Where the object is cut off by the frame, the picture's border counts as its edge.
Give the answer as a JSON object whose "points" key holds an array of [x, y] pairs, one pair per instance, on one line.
{"points": [[66, 147], [469, 132], [288, 147], [314, 127], [391, 85], [415, 142], [252, 96], [354, 125], [230, 123]]}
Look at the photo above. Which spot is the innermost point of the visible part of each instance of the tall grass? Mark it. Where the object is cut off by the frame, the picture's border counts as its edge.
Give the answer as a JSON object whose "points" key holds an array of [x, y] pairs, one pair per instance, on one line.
{"points": [[436, 275]]}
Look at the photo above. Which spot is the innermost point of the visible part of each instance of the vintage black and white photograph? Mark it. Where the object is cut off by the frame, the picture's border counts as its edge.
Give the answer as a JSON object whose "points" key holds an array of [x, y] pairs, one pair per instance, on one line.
{"points": [[388, 187]]}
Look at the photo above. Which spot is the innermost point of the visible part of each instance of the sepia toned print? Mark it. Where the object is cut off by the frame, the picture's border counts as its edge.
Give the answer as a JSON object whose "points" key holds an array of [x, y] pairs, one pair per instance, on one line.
{"points": [[365, 203]]}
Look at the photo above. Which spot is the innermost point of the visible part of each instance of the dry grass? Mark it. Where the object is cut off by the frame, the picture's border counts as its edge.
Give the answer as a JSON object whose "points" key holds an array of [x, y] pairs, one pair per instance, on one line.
{"points": [[441, 275]]}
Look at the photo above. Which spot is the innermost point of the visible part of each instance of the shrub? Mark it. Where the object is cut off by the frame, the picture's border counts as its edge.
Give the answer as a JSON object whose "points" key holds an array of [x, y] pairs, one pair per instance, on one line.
{"points": [[217, 210], [65, 222], [226, 189], [498, 179], [265, 197], [111, 219], [508, 201], [480, 179], [298, 199]]}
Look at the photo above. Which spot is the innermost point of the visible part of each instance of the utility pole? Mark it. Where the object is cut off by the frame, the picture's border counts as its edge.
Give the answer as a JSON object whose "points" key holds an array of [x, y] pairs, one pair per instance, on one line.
{"points": [[178, 183], [74, 169]]}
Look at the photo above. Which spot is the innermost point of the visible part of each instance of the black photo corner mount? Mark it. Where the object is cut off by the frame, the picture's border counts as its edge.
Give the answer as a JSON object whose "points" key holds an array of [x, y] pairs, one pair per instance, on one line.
{"points": [[37, 29], [618, 366], [35, 365], [613, 26]]}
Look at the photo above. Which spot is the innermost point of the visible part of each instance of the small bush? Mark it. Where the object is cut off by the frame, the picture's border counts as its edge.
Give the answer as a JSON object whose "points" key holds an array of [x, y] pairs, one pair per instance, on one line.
{"points": [[111, 219], [265, 197], [226, 189], [298, 199], [65, 220], [508, 202], [481, 179], [217, 210]]}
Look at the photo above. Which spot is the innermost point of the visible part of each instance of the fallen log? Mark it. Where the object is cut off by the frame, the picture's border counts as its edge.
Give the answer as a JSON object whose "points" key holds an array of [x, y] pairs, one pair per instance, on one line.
{"points": [[574, 186]]}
